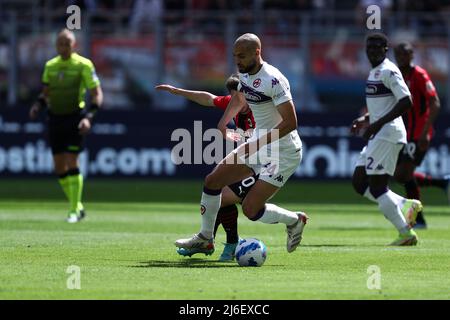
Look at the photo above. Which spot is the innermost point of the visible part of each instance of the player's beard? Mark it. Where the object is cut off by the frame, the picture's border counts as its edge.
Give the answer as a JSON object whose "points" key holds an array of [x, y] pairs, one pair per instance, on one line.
{"points": [[249, 68]]}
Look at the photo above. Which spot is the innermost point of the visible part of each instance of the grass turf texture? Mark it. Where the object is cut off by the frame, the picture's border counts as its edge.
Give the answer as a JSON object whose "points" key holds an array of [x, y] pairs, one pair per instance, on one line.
{"points": [[125, 248]]}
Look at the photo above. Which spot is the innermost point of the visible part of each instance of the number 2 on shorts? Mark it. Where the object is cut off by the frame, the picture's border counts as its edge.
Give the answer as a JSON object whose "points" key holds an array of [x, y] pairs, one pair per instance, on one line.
{"points": [[369, 163]]}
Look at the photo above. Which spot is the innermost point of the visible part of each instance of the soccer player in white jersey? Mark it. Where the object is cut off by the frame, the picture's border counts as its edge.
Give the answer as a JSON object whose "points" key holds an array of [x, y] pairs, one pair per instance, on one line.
{"points": [[387, 98], [267, 93]]}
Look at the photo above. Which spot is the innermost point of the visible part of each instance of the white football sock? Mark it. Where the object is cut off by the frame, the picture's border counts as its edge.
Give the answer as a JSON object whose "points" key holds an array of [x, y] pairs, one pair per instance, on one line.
{"points": [[397, 198], [391, 210], [211, 203], [275, 214]]}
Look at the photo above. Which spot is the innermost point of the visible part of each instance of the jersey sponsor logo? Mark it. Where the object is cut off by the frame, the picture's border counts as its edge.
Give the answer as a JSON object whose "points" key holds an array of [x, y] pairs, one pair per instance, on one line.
{"points": [[371, 89], [254, 96], [377, 89], [257, 83]]}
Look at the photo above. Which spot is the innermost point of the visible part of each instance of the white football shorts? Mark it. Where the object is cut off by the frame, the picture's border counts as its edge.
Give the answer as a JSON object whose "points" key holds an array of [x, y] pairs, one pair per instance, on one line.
{"points": [[275, 169], [379, 157]]}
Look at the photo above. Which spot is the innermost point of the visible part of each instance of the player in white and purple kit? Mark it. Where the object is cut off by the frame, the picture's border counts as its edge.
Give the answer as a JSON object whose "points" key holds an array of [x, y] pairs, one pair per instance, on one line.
{"points": [[387, 98], [274, 151]]}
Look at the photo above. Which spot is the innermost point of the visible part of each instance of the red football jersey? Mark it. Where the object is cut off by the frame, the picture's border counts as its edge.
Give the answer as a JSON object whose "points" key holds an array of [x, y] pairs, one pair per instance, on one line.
{"points": [[243, 121], [421, 87]]}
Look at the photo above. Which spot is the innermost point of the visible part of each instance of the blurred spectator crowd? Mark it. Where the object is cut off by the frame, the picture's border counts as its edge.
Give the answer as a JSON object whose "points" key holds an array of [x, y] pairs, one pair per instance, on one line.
{"points": [[141, 15], [139, 43]]}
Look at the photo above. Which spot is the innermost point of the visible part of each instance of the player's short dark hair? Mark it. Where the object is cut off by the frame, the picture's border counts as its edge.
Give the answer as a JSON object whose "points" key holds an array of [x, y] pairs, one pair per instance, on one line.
{"points": [[378, 36], [232, 82], [405, 45]]}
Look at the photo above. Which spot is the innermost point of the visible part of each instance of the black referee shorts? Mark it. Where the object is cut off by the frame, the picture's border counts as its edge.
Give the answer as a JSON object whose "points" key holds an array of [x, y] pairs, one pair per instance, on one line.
{"points": [[63, 133]]}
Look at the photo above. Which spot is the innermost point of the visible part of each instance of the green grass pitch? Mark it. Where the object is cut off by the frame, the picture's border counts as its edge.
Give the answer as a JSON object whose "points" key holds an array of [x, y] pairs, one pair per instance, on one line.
{"points": [[125, 247]]}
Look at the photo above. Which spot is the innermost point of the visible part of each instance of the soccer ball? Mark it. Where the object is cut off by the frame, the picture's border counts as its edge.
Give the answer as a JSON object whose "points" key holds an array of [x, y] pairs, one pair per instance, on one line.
{"points": [[251, 252]]}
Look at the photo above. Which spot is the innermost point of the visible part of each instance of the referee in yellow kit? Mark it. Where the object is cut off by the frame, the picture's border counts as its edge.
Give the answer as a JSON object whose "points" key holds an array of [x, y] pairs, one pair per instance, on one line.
{"points": [[66, 78]]}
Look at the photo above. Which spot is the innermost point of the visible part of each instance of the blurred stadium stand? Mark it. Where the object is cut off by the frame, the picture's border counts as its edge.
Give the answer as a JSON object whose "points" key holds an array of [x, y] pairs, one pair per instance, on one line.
{"points": [[318, 44]]}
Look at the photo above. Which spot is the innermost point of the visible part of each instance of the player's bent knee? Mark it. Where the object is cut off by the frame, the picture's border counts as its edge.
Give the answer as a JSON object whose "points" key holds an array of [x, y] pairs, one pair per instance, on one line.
{"points": [[252, 211], [211, 182], [249, 209]]}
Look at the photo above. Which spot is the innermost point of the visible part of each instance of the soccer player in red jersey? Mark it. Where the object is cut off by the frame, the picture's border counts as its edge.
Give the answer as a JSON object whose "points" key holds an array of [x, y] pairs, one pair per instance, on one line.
{"points": [[243, 120], [419, 126], [228, 213]]}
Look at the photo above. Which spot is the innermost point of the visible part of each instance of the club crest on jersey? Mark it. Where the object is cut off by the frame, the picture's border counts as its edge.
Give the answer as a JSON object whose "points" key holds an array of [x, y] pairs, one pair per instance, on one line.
{"points": [[257, 83], [377, 74], [60, 75], [202, 209]]}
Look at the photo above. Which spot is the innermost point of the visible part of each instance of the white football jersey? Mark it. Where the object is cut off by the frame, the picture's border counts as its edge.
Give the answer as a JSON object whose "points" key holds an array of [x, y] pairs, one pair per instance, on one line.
{"points": [[385, 87], [264, 91]]}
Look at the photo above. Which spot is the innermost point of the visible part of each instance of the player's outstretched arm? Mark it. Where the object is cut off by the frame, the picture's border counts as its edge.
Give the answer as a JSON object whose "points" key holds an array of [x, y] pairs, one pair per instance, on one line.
{"points": [[200, 97], [40, 104]]}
